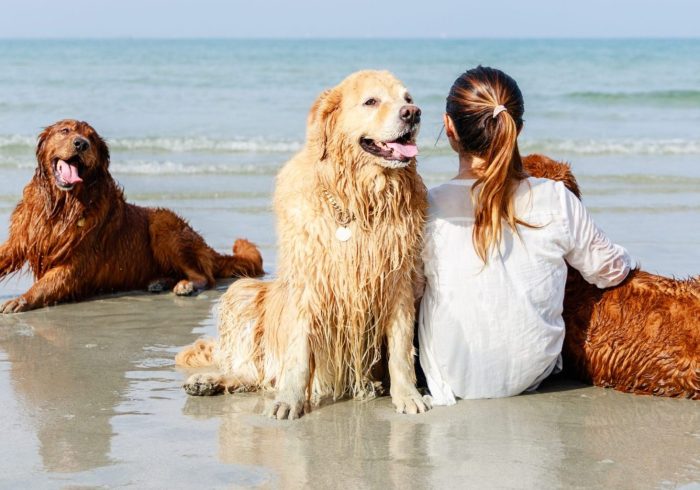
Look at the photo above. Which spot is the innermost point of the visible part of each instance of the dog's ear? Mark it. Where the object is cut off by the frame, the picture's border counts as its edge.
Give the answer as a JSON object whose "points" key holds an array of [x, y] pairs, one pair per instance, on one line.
{"points": [[322, 120], [41, 143], [101, 147], [544, 167], [41, 150]]}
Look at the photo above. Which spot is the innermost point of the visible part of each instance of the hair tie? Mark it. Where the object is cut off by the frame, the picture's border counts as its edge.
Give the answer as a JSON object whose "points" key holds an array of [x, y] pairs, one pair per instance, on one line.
{"points": [[498, 109]]}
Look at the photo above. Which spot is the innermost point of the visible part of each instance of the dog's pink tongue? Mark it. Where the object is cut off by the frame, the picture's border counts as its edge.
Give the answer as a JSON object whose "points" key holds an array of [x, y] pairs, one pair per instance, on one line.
{"points": [[68, 172], [406, 151]]}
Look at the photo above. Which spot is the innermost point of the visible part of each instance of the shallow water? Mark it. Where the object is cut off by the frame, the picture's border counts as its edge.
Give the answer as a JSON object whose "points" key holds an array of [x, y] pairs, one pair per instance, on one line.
{"points": [[89, 395]]}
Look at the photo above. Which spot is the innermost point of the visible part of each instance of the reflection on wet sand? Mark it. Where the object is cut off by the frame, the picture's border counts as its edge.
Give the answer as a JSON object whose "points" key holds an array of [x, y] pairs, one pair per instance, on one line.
{"points": [[618, 439], [567, 436], [89, 396], [68, 364], [355, 443]]}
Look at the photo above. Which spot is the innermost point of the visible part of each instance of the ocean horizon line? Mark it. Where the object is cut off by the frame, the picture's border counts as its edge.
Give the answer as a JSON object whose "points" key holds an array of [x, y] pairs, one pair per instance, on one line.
{"points": [[362, 38]]}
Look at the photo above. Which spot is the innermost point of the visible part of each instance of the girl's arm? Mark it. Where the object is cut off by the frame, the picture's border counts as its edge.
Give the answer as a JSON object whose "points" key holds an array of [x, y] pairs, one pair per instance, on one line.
{"points": [[599, 261]]}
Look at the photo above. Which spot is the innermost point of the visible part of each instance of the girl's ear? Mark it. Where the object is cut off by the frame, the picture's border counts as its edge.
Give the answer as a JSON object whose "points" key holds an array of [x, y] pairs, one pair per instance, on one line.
{"points": [[449, 127]]}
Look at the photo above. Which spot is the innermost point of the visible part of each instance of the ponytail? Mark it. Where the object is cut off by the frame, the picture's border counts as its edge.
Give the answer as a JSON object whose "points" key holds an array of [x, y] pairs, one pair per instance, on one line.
{"points": [[492, 193], [486, 107]]}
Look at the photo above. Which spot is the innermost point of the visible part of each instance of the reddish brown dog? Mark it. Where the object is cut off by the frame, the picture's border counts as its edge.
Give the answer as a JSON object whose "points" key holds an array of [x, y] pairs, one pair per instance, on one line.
{"points": [[642, 336], [80, 237]]}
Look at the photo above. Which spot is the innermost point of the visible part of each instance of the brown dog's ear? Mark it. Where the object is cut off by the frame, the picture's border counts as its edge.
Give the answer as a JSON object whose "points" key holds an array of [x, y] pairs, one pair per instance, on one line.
{"points": [[41, 143], [321, 121], [41, 151], [544, 167], [101, 147]]}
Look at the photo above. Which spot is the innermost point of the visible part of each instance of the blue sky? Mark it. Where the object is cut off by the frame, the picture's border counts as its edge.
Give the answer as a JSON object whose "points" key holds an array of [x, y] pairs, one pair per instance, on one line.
{"points": [[356, 19]]}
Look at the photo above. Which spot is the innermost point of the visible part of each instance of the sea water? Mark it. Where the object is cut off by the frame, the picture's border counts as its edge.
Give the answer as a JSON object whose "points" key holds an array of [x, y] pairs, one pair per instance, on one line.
{"points": [[203, 126]]}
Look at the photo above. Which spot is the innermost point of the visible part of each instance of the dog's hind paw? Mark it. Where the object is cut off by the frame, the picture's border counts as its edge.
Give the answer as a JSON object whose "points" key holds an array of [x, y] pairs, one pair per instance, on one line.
{"points": [[204, 385], [160, 285]]}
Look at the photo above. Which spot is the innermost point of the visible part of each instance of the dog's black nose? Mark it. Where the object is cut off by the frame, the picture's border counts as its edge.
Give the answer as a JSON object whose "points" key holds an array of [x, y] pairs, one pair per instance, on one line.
{"points": [[410, 114], [81, 144]]}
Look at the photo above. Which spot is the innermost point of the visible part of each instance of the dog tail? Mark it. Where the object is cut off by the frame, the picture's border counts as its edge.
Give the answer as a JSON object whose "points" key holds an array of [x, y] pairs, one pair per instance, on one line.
{"points": [[246, 261], [199, 354]]}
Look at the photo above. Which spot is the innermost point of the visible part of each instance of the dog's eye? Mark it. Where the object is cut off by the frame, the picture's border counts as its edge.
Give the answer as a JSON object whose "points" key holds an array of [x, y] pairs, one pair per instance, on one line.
{"points": [[371, 101], [408, 98], [65, 131]]}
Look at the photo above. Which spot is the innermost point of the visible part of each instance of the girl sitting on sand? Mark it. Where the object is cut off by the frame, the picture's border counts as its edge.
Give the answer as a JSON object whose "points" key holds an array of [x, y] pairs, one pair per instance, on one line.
{"points": [[497, 244]]}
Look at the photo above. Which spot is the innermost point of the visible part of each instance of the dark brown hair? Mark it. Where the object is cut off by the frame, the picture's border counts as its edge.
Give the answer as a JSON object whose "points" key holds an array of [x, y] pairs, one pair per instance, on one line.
{"points": [[491, 134]]}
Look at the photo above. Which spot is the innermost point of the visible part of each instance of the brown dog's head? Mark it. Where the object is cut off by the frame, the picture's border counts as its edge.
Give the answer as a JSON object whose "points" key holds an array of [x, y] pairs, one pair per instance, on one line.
{"points": [[369, 117], [544, 167], [71, 153]]}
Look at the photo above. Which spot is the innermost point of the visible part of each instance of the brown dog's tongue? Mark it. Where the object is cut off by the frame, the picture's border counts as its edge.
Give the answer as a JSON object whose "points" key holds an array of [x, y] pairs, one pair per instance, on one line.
{"points": [[68, 172]]}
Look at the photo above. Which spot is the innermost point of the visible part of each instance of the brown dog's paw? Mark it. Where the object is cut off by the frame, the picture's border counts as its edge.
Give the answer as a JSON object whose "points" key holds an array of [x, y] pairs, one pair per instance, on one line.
{"points": [[160, 285], [16, 305], [185, 288], [204, 385]]}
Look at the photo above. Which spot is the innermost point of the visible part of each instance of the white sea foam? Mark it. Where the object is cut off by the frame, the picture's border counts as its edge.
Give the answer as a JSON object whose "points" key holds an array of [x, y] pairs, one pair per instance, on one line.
{"points": [[175, 144], [167, 167], [182, 145], [22, 146], [629, 146], [16, 140], [151, 167]]}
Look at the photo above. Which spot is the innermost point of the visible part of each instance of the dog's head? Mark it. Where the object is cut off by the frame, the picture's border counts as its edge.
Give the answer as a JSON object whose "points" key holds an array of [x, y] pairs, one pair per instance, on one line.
{"points": [[544, 167], [71, 153], [370, 117]]}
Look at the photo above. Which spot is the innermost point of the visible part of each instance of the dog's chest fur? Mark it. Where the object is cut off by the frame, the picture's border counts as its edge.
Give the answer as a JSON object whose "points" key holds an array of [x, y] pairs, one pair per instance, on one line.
{"points": [[350, 289]]}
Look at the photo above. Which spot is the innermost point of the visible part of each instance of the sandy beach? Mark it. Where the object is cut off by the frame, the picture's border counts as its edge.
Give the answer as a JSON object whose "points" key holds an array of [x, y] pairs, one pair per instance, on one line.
{"points": [[90, 397]]}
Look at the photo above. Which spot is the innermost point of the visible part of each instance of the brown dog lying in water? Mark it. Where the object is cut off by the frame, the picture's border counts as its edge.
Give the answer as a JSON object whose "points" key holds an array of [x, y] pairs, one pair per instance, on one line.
{"points": [[80, 237], [642, 336]]}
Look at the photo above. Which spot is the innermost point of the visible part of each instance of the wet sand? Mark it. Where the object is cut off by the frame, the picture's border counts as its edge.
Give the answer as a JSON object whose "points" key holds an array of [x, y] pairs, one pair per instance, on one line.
{"points": [[90, 397]]}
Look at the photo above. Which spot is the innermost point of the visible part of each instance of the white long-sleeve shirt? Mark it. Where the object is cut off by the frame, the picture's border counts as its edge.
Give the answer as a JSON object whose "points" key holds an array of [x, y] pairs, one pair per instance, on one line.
{"points": [[496, 330]]}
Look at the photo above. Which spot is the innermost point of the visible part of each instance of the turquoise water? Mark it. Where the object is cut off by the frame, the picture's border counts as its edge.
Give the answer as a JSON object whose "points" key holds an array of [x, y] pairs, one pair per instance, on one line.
{"points": [[203, 126]]}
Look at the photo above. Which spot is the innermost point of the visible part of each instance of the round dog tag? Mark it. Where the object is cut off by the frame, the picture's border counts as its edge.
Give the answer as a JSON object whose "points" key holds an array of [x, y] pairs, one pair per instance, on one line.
{"points": [[343, 233]]}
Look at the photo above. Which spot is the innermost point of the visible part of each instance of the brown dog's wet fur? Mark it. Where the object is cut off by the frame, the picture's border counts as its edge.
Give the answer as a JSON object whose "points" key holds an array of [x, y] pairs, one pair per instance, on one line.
{"points": [[642, 336], [82, 238]]}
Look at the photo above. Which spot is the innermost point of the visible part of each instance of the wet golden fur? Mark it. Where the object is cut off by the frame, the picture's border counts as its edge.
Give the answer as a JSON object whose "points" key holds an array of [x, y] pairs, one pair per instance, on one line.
{"points": [[86, 239], [642, 336], [323, 322]]}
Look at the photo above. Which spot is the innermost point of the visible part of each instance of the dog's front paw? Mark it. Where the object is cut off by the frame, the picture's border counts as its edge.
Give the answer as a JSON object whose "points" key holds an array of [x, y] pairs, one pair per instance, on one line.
{"points": [[15, 306], [288, 408], [184, 288], [411, 403], [204, 384]]}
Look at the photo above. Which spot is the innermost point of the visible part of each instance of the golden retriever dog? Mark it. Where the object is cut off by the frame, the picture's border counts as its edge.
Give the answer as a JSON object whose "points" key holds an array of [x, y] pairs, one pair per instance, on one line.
{"points": [[350, 212], [80, 236], [642, 336]]}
